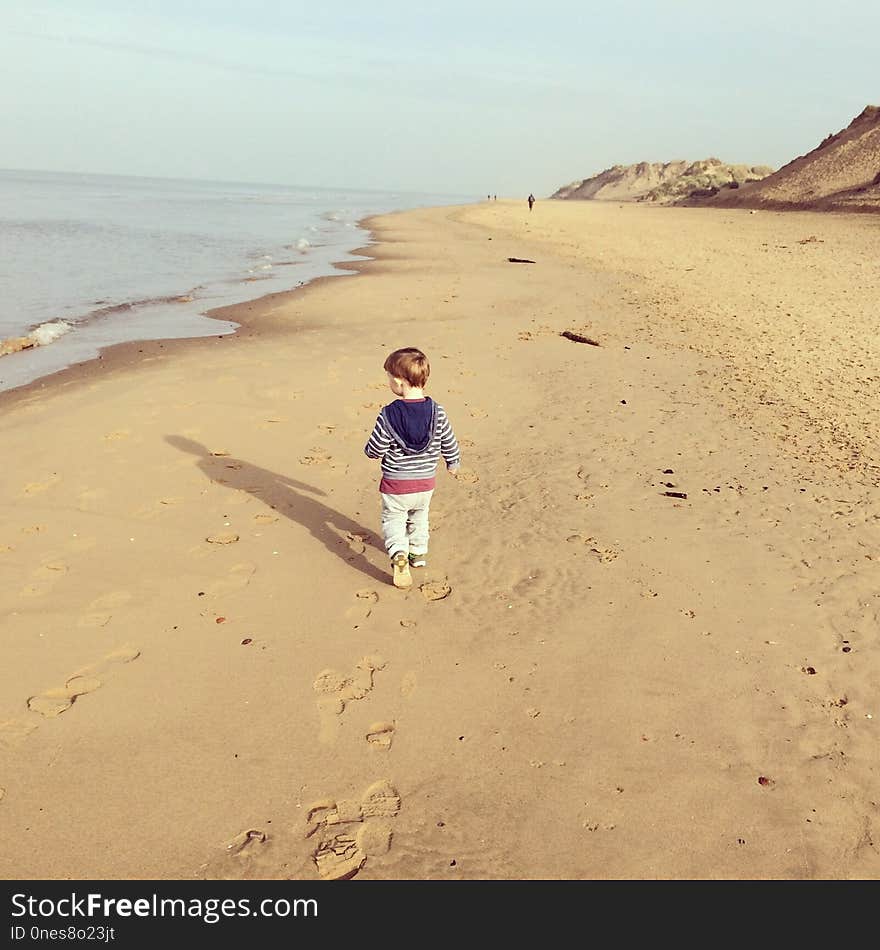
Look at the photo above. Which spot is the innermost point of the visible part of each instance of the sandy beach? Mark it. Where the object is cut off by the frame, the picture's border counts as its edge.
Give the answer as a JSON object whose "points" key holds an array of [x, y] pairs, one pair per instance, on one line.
{"points": [[642, 648]]}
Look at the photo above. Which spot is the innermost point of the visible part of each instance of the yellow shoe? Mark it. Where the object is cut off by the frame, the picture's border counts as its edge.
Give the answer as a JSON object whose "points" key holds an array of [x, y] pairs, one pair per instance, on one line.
{"points": [[401, 576]]}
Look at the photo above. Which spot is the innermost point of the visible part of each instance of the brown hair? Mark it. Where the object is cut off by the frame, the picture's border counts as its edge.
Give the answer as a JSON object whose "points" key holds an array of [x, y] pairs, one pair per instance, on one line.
{"points": [[409, 364]]}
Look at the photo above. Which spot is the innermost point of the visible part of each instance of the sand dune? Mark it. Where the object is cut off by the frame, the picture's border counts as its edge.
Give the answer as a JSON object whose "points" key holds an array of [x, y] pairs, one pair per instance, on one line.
{"points": [[661, 182], [841, 174]]}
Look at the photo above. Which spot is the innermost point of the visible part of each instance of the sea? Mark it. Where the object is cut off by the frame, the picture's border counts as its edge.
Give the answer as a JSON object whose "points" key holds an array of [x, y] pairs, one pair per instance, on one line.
{"points": [[88, 261]]}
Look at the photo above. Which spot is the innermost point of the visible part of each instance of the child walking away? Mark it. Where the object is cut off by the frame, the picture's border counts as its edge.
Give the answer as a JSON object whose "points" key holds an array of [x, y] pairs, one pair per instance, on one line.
{"points": [[410, 436]]}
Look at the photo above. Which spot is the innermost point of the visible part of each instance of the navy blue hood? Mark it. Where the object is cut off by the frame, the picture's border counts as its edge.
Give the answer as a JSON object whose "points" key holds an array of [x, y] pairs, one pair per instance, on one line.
{"points": [[411, 424]]}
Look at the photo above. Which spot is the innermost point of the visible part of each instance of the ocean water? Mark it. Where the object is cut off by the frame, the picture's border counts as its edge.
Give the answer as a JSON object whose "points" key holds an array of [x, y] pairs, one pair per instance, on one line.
{"points": [[87, 261]]}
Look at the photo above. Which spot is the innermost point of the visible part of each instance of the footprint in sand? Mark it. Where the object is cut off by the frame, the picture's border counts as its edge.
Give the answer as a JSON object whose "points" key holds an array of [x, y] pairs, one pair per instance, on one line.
{"points": [[118, 435], [245, 839], [45, 577], [53, 702], [349, 832], [479, 414], [364, 606], [356, 542], [466, 475], [222, 537], [265, 519], [381, 735], [335, 690], [112, 660], [241, 857], [51, 569], [237, 578], [466, 443], [435, 589], [316, 457]]}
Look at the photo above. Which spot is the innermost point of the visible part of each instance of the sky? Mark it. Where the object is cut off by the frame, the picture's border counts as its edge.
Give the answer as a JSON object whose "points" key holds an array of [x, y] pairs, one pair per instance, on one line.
{"points": [[450, 97]]}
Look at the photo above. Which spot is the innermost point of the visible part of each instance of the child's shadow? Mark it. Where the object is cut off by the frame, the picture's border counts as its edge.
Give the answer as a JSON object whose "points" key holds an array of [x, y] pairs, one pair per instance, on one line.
{"points": [[285, 495]]}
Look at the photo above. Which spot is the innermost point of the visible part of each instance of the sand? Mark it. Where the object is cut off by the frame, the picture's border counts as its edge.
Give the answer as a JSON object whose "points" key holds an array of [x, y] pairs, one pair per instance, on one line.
{"points": [[207, 672]]}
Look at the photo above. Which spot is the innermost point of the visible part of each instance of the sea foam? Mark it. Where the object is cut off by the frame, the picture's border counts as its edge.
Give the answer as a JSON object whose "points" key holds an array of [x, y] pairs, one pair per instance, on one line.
{"points": [[48, 333]]}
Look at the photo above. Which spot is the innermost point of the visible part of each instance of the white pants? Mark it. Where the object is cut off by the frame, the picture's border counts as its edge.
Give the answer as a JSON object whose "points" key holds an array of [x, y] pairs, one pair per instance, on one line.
{"points": [[405, 522]]}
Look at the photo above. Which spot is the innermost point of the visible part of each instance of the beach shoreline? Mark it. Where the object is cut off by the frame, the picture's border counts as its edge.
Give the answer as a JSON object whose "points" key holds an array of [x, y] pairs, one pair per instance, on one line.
{"points": [[178, 248], [125, 355], [644, 647]]}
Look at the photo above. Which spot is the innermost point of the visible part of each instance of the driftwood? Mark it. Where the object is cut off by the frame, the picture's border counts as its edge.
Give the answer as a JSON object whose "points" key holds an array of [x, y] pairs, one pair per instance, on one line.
{"points": [[578, 338], [674, 494], [520, 260]]}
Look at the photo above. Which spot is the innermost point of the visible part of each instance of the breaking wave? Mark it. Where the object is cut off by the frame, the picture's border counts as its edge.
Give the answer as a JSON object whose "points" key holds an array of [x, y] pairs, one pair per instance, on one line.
{"points": [[42, 335]]}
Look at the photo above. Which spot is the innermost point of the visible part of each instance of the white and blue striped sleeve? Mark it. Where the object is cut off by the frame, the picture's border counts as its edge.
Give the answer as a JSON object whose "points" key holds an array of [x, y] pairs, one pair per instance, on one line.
{"points": [[379, 441], [448, 443]]}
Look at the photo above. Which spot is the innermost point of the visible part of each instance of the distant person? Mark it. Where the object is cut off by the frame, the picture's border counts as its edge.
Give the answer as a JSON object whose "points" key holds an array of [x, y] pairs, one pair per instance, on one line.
{"points": [[531, 201], [410, 436]]}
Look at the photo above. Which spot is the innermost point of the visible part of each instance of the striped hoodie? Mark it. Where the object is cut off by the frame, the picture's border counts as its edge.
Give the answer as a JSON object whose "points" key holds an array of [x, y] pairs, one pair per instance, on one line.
{"points": [[409, 437]]}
